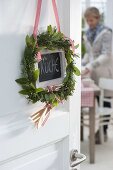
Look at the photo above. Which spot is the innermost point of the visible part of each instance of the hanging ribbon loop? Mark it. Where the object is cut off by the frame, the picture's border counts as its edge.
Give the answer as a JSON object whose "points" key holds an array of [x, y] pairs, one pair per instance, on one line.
{"points": [[56, 14], [37, 18]]}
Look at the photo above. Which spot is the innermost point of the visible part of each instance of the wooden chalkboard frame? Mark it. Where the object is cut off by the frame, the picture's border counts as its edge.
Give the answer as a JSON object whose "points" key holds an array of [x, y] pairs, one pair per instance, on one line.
{"points": [[56, 81]]}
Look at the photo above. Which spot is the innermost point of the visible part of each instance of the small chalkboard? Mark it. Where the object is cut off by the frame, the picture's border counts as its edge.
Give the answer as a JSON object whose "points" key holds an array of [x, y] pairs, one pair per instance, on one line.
{"points": [[50, 66]]}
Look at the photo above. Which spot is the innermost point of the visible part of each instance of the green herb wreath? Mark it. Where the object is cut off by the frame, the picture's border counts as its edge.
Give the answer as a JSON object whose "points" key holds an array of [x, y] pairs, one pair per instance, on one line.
{"points": [[50, 40]]}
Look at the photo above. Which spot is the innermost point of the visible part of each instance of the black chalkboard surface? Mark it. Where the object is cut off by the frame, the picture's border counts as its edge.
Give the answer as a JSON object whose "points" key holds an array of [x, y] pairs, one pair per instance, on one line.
{"points": [[50, 66]]}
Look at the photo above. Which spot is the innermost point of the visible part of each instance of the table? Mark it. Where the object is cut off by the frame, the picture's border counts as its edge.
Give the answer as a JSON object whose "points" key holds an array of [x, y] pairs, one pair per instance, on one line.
{"points": [[94, 90]]}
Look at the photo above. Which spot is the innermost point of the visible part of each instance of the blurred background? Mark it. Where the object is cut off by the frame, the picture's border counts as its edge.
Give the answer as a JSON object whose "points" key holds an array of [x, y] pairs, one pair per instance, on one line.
{"points": [[97, 84], [105, 7]]}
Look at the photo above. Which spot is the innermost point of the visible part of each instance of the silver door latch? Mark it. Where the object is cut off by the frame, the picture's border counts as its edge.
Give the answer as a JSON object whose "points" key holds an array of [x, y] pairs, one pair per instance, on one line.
{"points": [[76, 158]]}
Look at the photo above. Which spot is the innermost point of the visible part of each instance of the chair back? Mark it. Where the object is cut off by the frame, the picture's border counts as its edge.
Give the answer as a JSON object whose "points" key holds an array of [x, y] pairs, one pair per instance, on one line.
{"points": [[105, 84]]}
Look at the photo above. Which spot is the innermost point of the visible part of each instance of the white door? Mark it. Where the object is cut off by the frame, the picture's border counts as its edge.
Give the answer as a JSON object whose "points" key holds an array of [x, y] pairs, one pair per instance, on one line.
{"points": [[22, 147]]}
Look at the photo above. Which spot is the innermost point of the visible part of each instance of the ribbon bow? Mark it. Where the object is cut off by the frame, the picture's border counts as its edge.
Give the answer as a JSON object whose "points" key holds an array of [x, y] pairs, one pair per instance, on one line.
{"points": [[40, 118]]}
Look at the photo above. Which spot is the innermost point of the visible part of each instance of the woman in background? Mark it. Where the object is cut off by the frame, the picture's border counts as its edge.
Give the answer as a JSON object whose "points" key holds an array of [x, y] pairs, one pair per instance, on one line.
{"points": [[98, 58]]}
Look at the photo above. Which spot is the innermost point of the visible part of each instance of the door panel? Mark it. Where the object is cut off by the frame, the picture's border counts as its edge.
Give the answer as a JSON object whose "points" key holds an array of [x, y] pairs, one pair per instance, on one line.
{"points": [[48, 158], [15, 143]]}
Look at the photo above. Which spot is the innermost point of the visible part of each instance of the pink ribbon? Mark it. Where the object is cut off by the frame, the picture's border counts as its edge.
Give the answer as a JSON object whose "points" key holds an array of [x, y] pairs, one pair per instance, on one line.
{"points": [[49, 107], [58, 23], [72, 45], [55, 88], [56, 14], [38, 56], [43, 113], [38, 11]]}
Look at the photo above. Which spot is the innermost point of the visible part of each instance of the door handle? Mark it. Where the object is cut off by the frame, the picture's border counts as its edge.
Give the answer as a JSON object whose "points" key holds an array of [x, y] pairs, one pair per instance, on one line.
{"points": [[76, 158]]}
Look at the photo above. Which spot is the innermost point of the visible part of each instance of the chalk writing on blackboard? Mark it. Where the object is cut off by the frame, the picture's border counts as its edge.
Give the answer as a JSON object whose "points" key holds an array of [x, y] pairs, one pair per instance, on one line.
{"points": [[50, 66]]}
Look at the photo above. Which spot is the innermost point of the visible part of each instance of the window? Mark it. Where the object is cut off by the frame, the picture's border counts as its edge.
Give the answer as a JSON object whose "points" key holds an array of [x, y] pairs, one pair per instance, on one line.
{"points": [[100, 4]]}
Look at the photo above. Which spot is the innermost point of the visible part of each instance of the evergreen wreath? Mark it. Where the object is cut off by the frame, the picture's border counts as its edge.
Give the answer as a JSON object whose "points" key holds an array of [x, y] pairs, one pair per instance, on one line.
{"points": [[52, 96]]}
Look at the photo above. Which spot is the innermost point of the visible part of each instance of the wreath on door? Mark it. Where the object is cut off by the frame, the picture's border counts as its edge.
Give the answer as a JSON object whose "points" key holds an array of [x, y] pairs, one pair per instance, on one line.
{"points": [[52, 39]]}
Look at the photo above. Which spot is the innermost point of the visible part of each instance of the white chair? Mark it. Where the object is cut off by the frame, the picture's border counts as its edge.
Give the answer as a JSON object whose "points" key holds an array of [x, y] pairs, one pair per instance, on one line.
{"points": [[101, 111], [85, 120], [104, 112]]}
